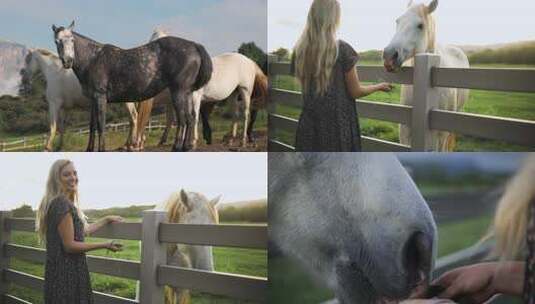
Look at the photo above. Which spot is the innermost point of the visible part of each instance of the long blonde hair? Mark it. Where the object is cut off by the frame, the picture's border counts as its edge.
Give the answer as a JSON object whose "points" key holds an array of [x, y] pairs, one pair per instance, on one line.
{"points": [[513, 212], [54, 189], [316, 51]]}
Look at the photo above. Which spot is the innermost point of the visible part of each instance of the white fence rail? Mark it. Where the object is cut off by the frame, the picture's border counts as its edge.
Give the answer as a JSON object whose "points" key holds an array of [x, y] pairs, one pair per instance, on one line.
{"points": [[424, 116], [37, 142], [151, 271]]}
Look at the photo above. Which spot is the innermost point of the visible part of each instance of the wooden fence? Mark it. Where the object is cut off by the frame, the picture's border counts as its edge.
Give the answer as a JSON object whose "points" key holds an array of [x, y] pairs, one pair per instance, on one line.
{"points": [[423, 116], [151, 271], [37, 142]]}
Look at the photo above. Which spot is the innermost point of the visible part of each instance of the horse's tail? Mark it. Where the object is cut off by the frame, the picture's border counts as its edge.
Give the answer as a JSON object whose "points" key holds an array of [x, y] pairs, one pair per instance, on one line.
{"points": [[260, 89], [205, 71], [144, 110]]}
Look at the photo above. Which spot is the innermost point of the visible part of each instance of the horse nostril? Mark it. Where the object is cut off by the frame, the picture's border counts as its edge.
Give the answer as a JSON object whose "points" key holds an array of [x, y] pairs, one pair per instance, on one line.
{"points": [[395, 57], [417, 257]]}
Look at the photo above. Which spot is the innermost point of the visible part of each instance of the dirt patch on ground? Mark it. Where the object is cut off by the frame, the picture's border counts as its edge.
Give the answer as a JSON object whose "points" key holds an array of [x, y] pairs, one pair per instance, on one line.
{"points": [[218, 145]]}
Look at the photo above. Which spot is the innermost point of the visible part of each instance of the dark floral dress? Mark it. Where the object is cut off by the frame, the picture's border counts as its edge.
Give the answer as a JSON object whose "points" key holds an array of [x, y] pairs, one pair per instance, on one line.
{"points": [[329, 123], [66, 275], [529, 279]]}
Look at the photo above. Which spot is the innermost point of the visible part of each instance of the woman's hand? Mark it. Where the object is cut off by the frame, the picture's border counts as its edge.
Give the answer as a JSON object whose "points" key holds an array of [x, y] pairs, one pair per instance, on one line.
{"points": [[385, 87], [111, 219], [476, 283], [114, 246]]}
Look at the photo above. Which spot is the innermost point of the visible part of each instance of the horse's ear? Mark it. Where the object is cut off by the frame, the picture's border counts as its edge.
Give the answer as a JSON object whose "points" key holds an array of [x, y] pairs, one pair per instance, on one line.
{"points": [[72, 25], [185, 199], [54, 28], [432, 6], [215, 201]]}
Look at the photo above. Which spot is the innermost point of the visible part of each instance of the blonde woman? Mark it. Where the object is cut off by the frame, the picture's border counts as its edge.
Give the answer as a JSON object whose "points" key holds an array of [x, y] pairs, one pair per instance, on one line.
{"points": [[330, 84], [62, 225], [514, 230]]}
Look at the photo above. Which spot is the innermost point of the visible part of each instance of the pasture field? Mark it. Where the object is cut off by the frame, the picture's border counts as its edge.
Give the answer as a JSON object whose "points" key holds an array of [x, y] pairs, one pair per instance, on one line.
{"points": [[231, 260], [503, 104], [290, 284], [73, 141]]}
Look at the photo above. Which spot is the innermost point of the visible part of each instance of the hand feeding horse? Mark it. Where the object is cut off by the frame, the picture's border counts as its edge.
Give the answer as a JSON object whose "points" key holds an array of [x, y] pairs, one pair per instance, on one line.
{"points": [[63, 91], [236, 78], [184, 207], [355, 221], [111, 74], [416, 34]]}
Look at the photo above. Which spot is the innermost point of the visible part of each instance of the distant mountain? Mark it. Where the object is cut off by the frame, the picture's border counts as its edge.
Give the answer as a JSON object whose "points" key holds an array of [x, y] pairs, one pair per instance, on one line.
{"points": [[12, 57]]}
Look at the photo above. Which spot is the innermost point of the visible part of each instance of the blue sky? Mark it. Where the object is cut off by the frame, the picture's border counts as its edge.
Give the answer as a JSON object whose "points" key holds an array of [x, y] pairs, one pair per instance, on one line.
{"points": [[221, 25], [370, 24], [124, 179]]}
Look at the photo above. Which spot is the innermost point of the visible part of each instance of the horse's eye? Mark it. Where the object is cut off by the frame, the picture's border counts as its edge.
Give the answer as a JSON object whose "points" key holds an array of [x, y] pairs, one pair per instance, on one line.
{"points": [[421, 26]]}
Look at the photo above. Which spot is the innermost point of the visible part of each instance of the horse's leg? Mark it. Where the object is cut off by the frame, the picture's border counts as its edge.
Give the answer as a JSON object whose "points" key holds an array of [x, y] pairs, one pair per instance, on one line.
{"points": [[53, 116], [131, 139], [190, 120], [61, 128], [168, 123], [178, 104], [196, 100], [101, 122], [234, 102], [206, 109], [92, 127], [246, 99], [250, 134]]}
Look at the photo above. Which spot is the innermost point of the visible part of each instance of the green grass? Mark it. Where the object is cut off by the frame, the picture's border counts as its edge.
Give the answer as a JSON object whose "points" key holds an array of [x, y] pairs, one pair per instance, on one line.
{"points": [[289, 283], [73, 141], [251, 262], [502, 104]]}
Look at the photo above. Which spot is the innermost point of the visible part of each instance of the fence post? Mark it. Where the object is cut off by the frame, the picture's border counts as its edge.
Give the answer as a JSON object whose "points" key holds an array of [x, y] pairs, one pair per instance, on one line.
{"points": [[4, 260], [153, 254], [425, 100], [271, 106]]}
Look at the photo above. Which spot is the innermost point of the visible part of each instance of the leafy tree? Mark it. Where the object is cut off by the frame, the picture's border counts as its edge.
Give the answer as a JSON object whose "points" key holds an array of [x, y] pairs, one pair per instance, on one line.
{"points": [[255, 53], [282, 54], [23, 211]]}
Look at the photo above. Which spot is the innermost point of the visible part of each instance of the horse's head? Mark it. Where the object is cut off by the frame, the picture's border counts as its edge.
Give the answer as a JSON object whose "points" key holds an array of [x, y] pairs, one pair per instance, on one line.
{"points": [[356, 221], [158, 33], [186, 207], [64, 39], [415, 33]]}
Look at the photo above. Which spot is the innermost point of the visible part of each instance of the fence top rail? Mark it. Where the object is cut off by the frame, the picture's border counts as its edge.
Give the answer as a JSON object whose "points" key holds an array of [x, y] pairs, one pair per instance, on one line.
{"points": [[243, 236], [492, 79]]}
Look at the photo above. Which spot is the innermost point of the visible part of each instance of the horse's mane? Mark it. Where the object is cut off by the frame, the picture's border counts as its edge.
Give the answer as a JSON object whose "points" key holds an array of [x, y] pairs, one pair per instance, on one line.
{"points": [[46, 53], [175, 209], [429, 22], [87, 38]]}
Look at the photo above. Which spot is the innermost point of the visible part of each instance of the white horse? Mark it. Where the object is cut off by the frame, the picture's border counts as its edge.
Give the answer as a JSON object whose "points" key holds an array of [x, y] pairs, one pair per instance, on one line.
{"points": [[186, 207], [416, 34], [355, 221], [234, 77], [63, 91]]}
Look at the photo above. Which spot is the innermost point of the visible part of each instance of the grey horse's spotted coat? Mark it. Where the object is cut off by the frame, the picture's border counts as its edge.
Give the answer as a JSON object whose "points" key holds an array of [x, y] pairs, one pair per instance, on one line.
{"points": [[111, 74]]}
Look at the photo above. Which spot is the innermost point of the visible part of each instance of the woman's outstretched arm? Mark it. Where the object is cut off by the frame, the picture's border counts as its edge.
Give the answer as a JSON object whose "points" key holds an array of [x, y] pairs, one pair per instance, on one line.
{"points": [[357, 90], [66, 232], [94, 227]]}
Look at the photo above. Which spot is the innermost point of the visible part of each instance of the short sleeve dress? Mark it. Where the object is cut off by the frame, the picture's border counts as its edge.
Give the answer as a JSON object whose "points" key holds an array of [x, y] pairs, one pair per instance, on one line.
{"points": [[67, 278], [529, 278], [329, 123]]}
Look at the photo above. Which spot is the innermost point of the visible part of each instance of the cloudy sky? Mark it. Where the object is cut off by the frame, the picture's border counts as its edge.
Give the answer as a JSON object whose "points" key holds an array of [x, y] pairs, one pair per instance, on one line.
{"points": [[124, 179], [370, 24], [220, 25]]}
